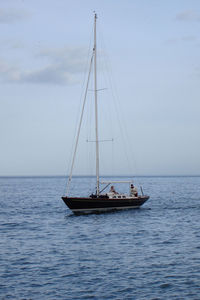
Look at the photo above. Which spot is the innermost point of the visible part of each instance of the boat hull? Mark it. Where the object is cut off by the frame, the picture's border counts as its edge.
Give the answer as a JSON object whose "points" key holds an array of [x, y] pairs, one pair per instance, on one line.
{"points": [[94, 205]]}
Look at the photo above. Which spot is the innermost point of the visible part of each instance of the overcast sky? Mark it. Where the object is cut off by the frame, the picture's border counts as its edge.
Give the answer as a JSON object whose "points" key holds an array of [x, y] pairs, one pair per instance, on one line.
{"points": [[154, 52]]}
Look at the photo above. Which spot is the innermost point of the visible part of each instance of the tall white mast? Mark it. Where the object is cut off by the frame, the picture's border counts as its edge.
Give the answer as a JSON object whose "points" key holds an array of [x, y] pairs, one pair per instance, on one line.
{"points": [[96, 108]]}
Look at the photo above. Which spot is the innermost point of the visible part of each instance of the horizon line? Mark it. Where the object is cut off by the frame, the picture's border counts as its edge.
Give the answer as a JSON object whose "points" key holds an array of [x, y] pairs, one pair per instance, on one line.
{"points": [[80, 175]]}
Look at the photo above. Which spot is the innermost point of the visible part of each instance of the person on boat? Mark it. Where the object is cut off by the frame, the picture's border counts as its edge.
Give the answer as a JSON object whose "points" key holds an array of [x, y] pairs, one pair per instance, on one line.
{"points": [[133, 191], [112, 189]]}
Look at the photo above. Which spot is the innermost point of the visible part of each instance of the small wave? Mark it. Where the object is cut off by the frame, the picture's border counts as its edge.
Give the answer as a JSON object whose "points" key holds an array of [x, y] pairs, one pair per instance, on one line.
{"points": [[165, 285]]}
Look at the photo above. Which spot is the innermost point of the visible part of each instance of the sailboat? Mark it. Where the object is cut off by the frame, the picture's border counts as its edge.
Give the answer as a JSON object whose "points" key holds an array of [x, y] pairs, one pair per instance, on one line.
{"points": [[99, 201]]}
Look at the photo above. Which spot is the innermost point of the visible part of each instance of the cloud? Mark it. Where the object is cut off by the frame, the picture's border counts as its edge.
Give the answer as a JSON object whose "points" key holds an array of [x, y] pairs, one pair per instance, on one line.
{"points": [[188, 15], [11, 44], [48, 75], [12, 15], [8, 73], [187, 38], [60, 68], [67, 58]]}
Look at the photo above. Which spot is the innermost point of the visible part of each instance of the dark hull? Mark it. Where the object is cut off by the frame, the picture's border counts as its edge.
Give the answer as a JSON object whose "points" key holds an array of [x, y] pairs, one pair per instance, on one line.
{"points": [[101, 204]]}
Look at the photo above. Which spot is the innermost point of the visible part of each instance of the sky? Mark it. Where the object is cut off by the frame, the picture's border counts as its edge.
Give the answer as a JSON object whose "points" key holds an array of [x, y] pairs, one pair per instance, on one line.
{"points": [[153, 52]]}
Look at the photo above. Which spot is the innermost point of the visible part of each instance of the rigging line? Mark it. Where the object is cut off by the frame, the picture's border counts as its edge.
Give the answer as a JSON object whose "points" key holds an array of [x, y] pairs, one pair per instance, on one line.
{"points": [[131, 159], [90, 116], [90, 149], [79, 127], [107, 110], [78, 111], [116, 108], [91, 157], [112, 159], [96, 107], [93, 141], [117, 102], [98, 90]]}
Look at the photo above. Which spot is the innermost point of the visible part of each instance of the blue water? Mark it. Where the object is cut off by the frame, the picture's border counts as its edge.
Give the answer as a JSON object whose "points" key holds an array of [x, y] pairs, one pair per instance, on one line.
{"points": [[48, 253]]}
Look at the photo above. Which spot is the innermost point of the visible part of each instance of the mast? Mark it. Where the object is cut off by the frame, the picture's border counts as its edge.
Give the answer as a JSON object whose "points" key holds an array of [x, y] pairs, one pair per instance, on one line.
{"points": [[93, 59], [96, 107]]}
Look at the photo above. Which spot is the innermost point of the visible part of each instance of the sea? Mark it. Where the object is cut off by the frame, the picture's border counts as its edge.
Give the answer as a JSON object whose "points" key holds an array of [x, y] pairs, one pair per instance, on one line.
{"points": [[46, 252]]}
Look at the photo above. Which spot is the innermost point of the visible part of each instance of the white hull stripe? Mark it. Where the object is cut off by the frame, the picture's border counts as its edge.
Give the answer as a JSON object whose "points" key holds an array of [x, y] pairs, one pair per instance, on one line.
{"points": [[103, 208]]}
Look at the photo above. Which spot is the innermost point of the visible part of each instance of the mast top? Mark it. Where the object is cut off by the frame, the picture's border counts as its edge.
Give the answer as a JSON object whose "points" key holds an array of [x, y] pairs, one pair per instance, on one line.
{"points": [[95, 14]]}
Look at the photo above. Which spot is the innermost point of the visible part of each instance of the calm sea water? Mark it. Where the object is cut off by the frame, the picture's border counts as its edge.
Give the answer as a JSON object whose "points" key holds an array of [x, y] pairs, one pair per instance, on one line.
{"points": [[150, 253]]}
